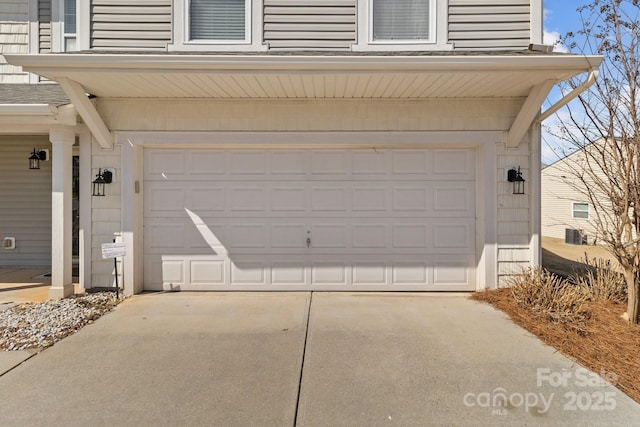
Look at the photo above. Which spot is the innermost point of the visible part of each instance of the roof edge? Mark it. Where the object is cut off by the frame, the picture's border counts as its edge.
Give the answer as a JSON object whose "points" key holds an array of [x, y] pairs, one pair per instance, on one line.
{"points": [[31, 62]]}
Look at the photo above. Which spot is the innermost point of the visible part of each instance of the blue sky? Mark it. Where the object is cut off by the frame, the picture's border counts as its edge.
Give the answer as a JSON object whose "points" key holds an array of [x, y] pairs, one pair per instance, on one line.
{"points": [[560, 16]]}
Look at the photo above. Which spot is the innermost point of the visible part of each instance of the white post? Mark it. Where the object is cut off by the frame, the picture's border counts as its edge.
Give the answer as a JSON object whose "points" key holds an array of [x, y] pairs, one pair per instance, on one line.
{"points": [[62, 140]]}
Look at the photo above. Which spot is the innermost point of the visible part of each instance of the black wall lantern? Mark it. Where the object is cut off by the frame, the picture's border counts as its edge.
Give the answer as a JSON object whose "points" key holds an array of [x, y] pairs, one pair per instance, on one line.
{"points": [[36, 157], [515, 176], [102, 178]]}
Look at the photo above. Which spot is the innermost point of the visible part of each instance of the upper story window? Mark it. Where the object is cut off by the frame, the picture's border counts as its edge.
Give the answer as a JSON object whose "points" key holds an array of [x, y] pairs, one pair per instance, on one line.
{"points": [[69, 25], [217, 25], [218, 20], [402, 25], [406, 21], [580, 210]]}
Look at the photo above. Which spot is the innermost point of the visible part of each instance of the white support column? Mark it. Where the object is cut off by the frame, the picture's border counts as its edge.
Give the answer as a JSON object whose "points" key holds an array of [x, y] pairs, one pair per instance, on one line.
{"points": [[132, 166], [86, 179], [62, 140]]}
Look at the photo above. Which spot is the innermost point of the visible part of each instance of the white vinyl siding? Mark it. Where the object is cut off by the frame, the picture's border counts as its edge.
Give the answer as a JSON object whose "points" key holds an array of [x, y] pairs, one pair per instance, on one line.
{"points": [[299, 25], [217, 20], [25, 211], [401, 20], [580, 210], [563, 202], [491, 25], [127, 25]]}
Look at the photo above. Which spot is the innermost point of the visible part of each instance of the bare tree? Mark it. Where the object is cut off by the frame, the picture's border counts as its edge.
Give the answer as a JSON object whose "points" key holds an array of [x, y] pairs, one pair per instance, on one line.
{"points": [[604, 125]]}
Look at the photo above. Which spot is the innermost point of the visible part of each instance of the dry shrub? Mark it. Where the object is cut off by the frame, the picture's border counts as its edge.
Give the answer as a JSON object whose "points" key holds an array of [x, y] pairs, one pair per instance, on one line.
{"points": [[546, 294], [601, 280]]}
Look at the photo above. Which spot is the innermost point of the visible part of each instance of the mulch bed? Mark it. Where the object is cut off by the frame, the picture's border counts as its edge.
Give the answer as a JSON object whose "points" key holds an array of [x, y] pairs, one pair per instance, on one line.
{"points": [[606, 343]]}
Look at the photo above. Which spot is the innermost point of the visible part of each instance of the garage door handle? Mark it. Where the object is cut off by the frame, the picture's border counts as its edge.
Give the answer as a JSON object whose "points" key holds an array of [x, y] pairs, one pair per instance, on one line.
{"points": [[308, 242]]}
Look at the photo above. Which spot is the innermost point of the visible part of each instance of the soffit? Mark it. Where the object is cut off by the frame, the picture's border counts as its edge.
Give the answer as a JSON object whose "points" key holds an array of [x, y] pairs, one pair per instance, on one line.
{"points": [[304, 77]]}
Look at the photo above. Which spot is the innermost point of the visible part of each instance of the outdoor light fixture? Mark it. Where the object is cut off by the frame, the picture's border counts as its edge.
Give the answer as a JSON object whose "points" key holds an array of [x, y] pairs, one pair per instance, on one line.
{"points": [[36, 157], [101, 179], [515, 176]]}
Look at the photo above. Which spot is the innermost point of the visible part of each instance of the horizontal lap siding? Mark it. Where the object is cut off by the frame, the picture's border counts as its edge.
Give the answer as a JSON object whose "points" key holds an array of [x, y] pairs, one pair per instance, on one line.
{"points": [[300, 24], [25, 211], [123, 24], [497, 24]]}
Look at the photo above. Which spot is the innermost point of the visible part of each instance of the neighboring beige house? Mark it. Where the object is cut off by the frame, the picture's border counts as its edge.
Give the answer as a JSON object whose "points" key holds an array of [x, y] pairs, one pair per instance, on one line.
{"points": [[566, 211], [295, 145]]}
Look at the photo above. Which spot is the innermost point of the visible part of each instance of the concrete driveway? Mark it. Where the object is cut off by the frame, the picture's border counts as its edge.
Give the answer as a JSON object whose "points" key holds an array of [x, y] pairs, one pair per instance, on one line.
{"points": [[321, 359]]}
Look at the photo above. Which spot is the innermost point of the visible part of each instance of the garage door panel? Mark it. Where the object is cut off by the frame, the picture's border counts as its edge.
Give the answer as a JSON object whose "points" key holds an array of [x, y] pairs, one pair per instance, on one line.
{"points": [[453, 198], [376, 220], [247, 162], [453, 165], [289, 236], [290, 273], [163, 236], [206, 163], [370, 273], [413, 236], [289, 199], [165, 199], [248, 272], [207, 272], [160, 164], [329, 273], [328, 199], [329, 163], [244, 236], [372, 163], [207, 199], [364, 199], [153, 272], [173, 272], [207, 237], [370, 236], [414, 199], [333, 236], [413, 162], [450, 236], [410, 272], [248, 198], [289, 163]]}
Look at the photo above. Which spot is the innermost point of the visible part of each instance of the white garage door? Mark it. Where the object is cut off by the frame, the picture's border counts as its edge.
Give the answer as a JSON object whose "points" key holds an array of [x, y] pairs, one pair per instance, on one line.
{"points": [[369, 219]]}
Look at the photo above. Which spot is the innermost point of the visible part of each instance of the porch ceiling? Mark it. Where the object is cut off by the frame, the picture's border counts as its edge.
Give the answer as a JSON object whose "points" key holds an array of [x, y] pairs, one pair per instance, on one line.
{"points": [[286, 77]]}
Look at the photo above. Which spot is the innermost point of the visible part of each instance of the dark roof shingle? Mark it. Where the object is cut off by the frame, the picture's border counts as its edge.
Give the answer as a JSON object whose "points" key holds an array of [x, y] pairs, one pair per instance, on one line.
{"points": [[40, 93]]}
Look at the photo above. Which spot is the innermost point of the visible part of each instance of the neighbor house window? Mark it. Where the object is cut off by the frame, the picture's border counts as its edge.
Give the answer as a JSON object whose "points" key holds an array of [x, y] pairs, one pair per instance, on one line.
{"points": [[402, 20], [218, 20], [70, 25], [581, 210]]}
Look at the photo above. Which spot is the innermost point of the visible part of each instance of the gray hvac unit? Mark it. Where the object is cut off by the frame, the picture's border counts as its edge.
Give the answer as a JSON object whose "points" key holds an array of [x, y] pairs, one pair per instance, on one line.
{"points": [[572, 236]]}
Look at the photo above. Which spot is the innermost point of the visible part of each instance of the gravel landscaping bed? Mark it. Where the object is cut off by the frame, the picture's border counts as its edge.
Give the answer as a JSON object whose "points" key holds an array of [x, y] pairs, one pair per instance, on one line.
{"points": [[39, 325]]}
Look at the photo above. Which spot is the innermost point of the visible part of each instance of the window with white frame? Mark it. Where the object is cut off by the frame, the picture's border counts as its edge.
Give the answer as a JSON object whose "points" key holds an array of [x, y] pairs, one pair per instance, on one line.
{"points": [[405, 21], [69, 26], [402, 25], [218, 21], [580, 210]]}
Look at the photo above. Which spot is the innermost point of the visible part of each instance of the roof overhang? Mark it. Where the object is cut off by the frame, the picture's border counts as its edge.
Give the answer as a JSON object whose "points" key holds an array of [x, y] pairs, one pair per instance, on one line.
{"points": [[34, 118], [300, 76]]}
